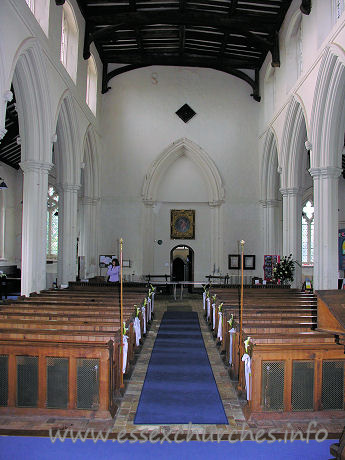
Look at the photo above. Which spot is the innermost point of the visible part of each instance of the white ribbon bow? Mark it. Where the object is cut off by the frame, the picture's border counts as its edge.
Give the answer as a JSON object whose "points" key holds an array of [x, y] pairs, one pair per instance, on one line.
{"points": [[204, 300], [208, 308], [220, 327], [231, 332], [213, 315], [152, 301], [143, 311], [137, 331], [124, 355], [247, 371], [149, 308]]}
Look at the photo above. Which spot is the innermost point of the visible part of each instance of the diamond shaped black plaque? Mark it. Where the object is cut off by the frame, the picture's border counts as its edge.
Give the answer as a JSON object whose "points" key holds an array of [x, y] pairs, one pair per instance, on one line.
{"points": [[186, 113]]}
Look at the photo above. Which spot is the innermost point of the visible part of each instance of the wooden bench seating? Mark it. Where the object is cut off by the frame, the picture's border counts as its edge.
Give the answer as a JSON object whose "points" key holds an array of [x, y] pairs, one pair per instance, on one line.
{"points": [[289, 358], [67, 336]]}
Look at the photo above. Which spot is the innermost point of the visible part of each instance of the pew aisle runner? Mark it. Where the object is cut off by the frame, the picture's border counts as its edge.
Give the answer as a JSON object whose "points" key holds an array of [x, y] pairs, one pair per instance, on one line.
{"points": [[179, 386]]}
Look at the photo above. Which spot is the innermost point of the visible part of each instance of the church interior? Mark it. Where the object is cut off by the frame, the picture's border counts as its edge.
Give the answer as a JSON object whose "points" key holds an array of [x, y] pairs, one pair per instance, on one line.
{"points": [[202, 145]]}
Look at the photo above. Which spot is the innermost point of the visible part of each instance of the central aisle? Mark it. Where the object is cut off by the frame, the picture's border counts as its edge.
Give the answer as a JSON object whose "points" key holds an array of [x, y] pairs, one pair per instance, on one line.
{"points": [[179, 386]]}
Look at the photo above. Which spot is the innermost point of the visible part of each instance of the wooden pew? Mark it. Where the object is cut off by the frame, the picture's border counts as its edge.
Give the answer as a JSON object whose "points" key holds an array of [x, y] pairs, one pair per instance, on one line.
{"points": [[68, 328], [283, 337]]}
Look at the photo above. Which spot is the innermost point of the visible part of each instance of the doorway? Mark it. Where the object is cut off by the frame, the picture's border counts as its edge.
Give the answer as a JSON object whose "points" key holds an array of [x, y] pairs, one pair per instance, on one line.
{"points": [[182, 264]]}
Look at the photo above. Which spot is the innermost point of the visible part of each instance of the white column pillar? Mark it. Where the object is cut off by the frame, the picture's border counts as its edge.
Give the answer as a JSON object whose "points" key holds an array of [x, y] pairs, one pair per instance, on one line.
{"points": [[292, 229], [265, 226], [88, 235], [68, 202], [273, 229], [325, 226], [148, 238], [217, 249], [34, 223]]}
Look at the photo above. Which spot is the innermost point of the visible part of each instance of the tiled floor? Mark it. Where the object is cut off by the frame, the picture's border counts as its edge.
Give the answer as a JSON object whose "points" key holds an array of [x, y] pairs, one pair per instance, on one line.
{"points": [[124, 420]]}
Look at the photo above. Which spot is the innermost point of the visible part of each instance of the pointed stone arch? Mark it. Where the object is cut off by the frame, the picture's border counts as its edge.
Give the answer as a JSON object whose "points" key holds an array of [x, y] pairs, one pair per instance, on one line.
{"points": [[328, 111], [327, 141], [271, 205], [68, 167], [199, 157], [293, 143]]}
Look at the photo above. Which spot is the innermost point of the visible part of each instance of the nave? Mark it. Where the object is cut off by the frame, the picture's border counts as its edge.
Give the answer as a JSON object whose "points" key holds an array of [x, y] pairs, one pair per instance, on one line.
{"points": [[124, 421]]}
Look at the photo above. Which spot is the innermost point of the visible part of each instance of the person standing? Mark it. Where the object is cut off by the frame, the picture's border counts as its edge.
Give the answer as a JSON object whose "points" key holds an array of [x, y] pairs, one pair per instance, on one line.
{"points": [[114, 274]]}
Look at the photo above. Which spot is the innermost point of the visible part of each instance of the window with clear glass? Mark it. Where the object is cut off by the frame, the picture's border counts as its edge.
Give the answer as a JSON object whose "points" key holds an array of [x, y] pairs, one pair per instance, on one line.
{"points": [[91, 84], [40, 9], [52, 223], [308, 234], [69, 41]]}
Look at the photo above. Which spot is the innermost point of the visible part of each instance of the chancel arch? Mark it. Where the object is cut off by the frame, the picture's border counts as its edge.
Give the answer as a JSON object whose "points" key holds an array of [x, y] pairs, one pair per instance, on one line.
{"points": [[326, 144], [204, 194]]}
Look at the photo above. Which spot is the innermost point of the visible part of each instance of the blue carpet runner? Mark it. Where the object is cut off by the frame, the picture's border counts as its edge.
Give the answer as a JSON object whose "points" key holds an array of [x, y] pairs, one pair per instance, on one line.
{"points": [[179, 386]]}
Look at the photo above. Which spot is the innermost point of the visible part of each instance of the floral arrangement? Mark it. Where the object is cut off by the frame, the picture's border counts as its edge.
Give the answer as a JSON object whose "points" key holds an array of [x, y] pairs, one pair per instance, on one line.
{"points": [[232, 322], [214, 297], [220, 306], [284, 270], [248, 346], [125, 329], [137, 310]]}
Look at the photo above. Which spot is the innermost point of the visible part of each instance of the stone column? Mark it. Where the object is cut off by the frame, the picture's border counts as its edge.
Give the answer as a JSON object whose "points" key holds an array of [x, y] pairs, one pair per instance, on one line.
{"points": [[217, 250], [271, 225], [34, 226], [148, 238], [292, 229], [88, 235], [325, 226], [67, 259]]}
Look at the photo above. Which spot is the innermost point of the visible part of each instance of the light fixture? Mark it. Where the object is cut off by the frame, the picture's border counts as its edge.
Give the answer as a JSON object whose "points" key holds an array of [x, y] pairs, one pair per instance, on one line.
{"points": [[2, 184]]}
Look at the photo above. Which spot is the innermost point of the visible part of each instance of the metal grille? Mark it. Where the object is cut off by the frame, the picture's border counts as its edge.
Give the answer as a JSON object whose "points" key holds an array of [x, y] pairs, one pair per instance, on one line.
{"points": [[272, 384], [27, 381], [87, 383], [3, 380], [332, 385], [57, 382], [302, 397]]}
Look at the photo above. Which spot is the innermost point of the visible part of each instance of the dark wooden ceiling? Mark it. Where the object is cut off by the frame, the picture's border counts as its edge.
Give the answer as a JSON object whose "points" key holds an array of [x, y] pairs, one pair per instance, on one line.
{"points": [[232, 36]]}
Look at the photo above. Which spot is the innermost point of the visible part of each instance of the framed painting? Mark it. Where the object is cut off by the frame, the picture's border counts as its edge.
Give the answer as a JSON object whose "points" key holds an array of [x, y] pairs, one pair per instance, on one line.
{"points": [[182, 224], [234, 261], [248, 262]]}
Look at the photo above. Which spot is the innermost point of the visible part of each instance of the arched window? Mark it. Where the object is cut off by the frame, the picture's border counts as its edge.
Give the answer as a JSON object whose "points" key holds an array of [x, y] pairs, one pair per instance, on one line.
{"points": [[69, 41], [52, 223], [40, 9], [91, 84], [308, 234]]}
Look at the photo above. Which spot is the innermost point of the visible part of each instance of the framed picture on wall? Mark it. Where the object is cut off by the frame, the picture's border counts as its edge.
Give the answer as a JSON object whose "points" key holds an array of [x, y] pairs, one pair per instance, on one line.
{"points": [[248, 262], [182, 224], [234, 261]]}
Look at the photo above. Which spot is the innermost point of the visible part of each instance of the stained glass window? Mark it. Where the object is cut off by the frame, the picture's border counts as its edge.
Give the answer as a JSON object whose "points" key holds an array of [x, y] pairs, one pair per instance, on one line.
{"points": [[52, 223], [308, 234]]}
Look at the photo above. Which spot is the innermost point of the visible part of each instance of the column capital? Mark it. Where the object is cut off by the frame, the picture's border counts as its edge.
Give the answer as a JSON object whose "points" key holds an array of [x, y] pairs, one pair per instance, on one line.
{"points": [[69, 187], [148, 203], [87, 200], [292, 191], [32, 165], [216, 203], [326, 172], [273, 203]]}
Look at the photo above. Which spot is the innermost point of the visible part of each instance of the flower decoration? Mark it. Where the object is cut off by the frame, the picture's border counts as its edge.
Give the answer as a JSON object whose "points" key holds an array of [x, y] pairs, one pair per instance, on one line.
{"points": [[220, 306], [284, 270], [248, 346], [231, 321], [125, 329]]}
